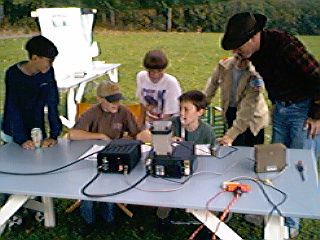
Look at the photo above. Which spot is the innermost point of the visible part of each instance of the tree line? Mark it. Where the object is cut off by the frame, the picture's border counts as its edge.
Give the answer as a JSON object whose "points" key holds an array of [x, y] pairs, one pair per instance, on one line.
{"points": [[295, 16]]}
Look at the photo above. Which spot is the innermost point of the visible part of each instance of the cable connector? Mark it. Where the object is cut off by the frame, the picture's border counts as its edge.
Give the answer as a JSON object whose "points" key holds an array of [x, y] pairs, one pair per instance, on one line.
{"points": [[235, 186], [125, 170], [267, 181]]}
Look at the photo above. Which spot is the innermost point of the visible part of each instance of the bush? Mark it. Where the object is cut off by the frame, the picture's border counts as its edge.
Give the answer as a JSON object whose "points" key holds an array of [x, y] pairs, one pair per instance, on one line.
{"points": [[295, 16]]}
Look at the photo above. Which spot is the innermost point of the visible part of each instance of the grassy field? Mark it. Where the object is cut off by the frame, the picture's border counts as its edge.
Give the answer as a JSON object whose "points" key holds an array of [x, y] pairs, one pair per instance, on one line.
{"points": [[192, 55], [192, 59]]}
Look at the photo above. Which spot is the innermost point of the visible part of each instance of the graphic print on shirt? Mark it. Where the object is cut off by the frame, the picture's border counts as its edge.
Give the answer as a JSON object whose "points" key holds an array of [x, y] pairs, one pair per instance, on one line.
{"points": [[155, 98]]}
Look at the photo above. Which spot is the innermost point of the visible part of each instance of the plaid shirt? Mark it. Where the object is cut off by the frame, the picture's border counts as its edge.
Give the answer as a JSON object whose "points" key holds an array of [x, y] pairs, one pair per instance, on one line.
{"points": [[289, 71]]}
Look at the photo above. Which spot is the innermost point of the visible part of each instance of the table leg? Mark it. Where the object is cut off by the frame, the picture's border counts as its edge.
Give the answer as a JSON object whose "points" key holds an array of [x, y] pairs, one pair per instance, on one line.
{"points": [[12, 205], [113, 74], [211, 221], [46, 206], [71, 109], [274, 228], [49, 216], [80, 92]]}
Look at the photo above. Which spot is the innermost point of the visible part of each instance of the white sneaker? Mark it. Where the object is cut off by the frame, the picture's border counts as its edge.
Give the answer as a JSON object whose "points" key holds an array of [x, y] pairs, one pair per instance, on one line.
{"points": [[39, 216], [14, 222]]}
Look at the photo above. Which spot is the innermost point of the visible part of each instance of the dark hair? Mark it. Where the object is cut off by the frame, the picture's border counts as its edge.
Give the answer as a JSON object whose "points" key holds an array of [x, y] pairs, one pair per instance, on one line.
{"points": [[196, 97], [155, 59], [42, 47]]}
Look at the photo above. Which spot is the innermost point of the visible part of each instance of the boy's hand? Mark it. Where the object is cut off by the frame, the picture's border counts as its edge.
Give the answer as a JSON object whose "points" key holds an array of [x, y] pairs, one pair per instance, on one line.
{"points": [[49, 142], [104, 137], [150, 107], [151, 117], [28, 145], [225, 140], [144, 136]]}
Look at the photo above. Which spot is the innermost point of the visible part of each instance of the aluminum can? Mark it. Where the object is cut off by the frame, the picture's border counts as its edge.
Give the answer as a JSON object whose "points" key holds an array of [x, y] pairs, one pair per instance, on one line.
{"points": [[36, 135]]}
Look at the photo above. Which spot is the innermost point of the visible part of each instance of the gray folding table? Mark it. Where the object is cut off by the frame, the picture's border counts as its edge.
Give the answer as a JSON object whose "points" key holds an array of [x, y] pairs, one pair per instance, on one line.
{"points": [[302, 196]]}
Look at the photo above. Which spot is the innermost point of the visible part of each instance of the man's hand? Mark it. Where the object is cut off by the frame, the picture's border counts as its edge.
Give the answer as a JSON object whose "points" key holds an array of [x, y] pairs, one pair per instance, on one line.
{"points": [[313, 126], [28, 145], [225, 140], [49, 142]]}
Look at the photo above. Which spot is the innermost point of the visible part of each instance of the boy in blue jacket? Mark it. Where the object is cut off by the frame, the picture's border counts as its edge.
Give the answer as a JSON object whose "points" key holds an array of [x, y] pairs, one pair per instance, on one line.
{"points": [[30, 86]]}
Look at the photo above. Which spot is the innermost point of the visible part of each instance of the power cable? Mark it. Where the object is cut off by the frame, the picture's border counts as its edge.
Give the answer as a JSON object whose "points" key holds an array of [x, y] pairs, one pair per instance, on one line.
{"points": [[83, 190], [49, 171]]}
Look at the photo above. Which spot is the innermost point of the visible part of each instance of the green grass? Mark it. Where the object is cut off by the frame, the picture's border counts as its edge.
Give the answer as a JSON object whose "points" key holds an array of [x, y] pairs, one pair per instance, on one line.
{"points": [[192, 58]]}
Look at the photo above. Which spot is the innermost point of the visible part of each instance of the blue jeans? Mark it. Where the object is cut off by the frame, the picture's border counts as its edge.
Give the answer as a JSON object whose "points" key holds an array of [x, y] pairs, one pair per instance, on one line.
{"points": [[288, 123], [88, 211]]}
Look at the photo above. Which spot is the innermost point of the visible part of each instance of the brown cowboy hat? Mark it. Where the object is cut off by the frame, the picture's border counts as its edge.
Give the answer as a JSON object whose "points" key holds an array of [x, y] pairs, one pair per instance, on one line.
{"points": [[240, 28]]}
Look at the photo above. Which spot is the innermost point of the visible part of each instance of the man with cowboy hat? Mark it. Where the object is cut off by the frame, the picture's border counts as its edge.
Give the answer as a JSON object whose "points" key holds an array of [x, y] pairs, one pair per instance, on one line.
{"points": [[291, 75]]}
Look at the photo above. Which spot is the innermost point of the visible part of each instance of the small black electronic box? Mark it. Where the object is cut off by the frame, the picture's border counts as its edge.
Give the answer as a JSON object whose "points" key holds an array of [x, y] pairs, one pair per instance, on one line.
{"points": [[119, 156], [169, 159], [176, 165]]}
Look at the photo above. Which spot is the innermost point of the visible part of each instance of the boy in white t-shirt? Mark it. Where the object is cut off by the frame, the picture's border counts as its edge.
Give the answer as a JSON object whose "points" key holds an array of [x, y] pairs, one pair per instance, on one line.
{"points": [[158, 92]]}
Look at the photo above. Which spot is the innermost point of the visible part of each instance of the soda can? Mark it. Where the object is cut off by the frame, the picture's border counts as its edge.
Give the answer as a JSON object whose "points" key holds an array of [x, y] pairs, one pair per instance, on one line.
{"points": [[36, 135]]}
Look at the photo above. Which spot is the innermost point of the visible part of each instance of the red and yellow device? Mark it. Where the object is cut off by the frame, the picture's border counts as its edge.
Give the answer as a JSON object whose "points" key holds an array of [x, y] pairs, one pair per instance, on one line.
{"points": [[233, 186]]}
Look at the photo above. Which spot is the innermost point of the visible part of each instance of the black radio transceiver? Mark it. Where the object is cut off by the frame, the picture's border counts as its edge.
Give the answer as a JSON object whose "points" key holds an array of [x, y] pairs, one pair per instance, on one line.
{"points": [[176, 165], [120, 156]]}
